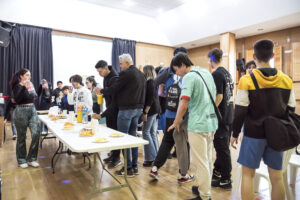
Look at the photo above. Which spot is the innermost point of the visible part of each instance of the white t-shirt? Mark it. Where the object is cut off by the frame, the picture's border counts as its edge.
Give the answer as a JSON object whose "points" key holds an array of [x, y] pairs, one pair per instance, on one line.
{"points": [[82, 95]]}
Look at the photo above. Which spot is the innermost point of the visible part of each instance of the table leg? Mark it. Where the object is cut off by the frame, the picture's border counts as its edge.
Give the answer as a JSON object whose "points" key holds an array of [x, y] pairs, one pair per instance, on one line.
{"points": [[125, 175], [60, 146]]}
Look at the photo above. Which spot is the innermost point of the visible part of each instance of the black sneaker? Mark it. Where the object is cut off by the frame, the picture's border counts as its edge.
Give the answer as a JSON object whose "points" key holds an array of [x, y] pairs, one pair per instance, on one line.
{"points": [[147, 163], [170, 156], [195, 190], [114, 164], [216, 175], [121, 172], [14, 137], [135, 170], [108, 160], [224, 184]]}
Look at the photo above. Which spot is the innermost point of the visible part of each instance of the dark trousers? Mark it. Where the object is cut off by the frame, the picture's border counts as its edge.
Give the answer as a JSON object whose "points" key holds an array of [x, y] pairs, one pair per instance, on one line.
{"points": [[165, 146], [111, 122], [223, 157]]}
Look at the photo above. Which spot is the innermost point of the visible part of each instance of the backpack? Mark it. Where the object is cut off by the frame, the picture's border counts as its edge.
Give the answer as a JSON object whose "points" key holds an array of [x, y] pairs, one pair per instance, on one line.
{"points": [[173, 94]]}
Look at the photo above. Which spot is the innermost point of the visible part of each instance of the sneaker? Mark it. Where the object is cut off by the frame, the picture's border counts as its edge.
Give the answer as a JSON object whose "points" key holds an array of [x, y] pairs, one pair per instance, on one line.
{"points": [[135, 170], [24, 165], [114, 164], [44, 133], [170, 156], [174, 155], [108, 160], [147, 163], [121, 172], [195, 190], [14, 137], [224, 184], [216, 175], [154, 172], [34, 164], [185, 178]]}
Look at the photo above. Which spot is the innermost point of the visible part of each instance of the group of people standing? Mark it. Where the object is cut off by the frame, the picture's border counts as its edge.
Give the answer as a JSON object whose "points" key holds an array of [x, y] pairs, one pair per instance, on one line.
{"points": [[198, 115]]}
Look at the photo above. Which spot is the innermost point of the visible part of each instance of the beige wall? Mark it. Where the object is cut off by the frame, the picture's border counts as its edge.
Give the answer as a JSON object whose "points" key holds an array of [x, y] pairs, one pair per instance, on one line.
{"points": [[150, 54]]}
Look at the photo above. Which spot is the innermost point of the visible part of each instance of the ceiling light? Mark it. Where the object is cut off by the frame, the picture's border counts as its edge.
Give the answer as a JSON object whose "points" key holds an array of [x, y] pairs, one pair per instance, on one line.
{"points": [[129, 3], [260, 29]]}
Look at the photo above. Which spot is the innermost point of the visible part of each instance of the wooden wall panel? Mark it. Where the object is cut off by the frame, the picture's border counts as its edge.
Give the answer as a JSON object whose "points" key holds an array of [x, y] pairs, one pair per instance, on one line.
{"points": [[150, 54], [295, 70], [278, 57], [297, 90], [298, 107], [249, 55]]}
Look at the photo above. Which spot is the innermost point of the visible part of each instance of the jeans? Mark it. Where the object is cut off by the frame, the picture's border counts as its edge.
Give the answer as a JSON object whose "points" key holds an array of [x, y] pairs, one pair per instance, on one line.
{"points": [[223, 157], [149, 134], [127, 123], [27, 117]]}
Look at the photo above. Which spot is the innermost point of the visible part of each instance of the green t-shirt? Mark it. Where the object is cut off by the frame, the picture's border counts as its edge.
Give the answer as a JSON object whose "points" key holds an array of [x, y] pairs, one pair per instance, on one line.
{"points": [[202, 117]]}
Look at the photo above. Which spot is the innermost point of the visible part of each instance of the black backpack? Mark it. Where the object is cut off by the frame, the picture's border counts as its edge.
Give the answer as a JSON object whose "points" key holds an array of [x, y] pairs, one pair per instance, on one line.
{"points": [[173, 94]]}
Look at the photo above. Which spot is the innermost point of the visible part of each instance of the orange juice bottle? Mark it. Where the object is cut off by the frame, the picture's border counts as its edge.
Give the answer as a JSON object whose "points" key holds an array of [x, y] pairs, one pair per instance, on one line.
{"points": [[100, 99], [79, 108]]}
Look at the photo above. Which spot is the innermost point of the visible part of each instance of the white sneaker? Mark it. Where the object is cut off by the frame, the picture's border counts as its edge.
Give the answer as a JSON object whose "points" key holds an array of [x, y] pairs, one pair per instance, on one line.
{"points": [[24, 165], [34, 164]]}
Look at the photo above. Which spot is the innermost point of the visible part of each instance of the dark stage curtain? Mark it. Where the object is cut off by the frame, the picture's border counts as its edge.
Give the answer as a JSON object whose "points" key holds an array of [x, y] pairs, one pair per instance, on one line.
{"points": [[31, 48], [120, 47]]}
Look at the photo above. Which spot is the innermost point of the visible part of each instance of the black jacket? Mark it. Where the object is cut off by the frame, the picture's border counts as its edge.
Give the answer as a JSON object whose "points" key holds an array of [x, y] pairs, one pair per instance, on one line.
{"points": [[130, 88], [110, 100], [45, 97], [152, 98]]}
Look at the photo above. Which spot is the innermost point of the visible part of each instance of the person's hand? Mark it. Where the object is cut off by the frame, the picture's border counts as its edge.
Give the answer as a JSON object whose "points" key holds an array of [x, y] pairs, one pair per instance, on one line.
{"points": [[96, 116], [144, 117], [70, 89], [13, 100], [174, 125], [98, 90], [5, 121], [234, 141]]}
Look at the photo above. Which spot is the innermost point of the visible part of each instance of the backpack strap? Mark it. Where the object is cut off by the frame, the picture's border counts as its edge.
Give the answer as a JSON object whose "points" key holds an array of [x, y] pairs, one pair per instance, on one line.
{"points": [[254, 81]]}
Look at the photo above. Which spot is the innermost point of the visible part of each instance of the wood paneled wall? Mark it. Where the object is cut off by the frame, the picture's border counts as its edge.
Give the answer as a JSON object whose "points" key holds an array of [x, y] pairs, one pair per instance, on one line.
{"points": [[151, 54]]}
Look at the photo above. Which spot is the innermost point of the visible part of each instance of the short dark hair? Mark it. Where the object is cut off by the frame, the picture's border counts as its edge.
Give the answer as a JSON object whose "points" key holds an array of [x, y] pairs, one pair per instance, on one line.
{"points": [[65, 88], [101, 64], [181, 58], [58, 82], [76, 78], [250, 63], [215, 55], [263, 50], [180, 49], [157, 69]]}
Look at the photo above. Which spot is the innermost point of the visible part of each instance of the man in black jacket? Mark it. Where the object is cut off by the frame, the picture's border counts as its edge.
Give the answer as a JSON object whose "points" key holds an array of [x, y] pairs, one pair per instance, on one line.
{"points": [[111, 112], [130, 87]]}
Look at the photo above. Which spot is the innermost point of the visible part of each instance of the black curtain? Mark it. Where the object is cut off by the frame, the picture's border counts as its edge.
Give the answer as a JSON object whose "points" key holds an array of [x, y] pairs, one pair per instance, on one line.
{"points": [[30, 47], [121, 46]]}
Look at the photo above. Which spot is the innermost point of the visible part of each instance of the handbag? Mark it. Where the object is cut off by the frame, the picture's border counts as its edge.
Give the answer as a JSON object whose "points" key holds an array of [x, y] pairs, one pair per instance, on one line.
{"points": [[281, 134], [219, 116]]}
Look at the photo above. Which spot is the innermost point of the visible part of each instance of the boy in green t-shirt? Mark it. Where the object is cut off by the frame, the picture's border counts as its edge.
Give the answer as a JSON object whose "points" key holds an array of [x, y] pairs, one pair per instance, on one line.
{"points": [[203, 121]]}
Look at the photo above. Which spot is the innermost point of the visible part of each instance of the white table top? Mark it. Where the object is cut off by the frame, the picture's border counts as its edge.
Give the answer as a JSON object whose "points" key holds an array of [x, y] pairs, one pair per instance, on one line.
{"points": [[75, 143]]}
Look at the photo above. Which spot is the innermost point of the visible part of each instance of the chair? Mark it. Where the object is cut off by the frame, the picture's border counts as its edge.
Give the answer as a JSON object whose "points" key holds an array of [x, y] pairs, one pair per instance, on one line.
{"points": [[294, 164], [262, 172]]}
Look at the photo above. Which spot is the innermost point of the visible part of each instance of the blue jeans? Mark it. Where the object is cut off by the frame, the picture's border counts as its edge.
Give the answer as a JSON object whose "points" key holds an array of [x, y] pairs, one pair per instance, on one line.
{"points": [[149, 134], [127, 123]]}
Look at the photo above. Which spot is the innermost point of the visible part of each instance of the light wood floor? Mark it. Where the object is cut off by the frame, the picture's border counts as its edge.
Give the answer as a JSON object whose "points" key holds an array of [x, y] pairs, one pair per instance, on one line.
{"points": [[73, 180]]}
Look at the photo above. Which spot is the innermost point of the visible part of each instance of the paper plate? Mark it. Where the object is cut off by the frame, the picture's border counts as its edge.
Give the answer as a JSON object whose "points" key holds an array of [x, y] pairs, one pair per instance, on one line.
{"points": [[116, 135]]}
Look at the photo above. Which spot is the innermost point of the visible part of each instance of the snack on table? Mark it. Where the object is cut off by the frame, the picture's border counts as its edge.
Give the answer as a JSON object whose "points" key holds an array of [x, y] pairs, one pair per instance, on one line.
{"points": [[68, 127], [51, 115], [61, 116], [116, 135], [54, 118], [86, 132], [68, 124], [100, 140]]}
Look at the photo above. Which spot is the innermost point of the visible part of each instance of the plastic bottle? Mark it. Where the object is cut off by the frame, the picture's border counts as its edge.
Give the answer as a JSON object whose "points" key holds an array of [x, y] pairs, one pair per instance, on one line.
{"points": [[79, 109], [84, 115]]}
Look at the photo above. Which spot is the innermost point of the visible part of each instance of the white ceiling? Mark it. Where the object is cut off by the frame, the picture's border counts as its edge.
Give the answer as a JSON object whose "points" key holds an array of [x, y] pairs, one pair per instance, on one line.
{"points": [[150, 8]]}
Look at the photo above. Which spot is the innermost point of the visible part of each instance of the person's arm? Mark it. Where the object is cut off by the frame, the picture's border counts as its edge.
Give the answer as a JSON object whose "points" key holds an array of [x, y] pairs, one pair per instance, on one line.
{"points": [[292, 101], [241, 110], [219, 82], [40, 90], [118, 85], [183, 106], [162, 77]]}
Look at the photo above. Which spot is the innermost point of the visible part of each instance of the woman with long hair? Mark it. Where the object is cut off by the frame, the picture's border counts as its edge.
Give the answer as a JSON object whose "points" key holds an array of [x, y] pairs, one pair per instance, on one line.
{"points": [[91, 85], [25, 117], [150, 112]]}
